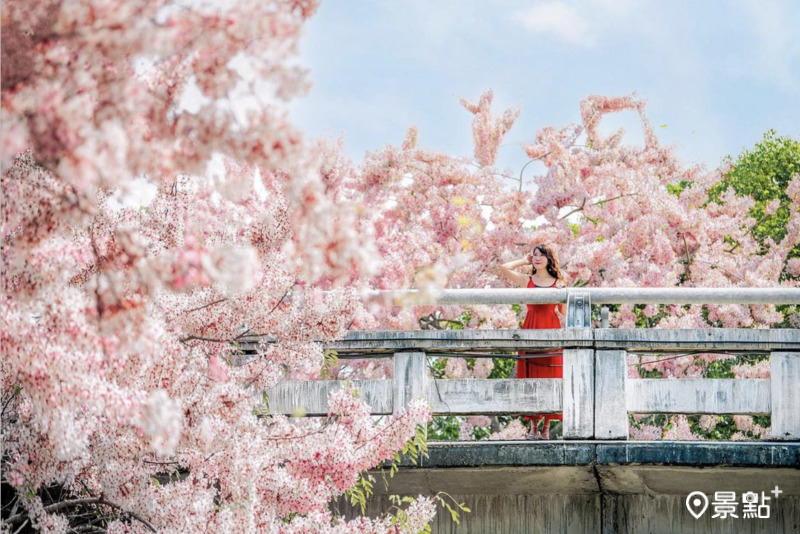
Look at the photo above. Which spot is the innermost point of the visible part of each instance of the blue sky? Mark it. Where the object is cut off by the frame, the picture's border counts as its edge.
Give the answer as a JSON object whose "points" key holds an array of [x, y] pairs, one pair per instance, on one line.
{"points": [[715, 74]]}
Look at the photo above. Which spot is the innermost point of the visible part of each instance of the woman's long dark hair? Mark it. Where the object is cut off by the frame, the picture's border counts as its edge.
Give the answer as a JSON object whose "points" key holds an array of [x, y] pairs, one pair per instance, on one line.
{"points": [[553, 267]]}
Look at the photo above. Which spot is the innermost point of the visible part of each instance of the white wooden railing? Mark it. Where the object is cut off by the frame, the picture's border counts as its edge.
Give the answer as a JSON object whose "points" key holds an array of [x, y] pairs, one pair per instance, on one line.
{"points": [[595, 394]]}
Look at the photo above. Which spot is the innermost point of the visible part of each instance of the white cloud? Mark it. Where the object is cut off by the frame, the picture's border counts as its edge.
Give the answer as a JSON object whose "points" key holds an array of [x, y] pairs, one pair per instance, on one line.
{"points": [[583, 22], [561, 19]]}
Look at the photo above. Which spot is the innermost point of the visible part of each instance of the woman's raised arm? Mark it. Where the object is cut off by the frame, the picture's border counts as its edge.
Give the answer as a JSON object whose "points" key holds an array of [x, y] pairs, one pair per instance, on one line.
{"points": [[517, 279]]}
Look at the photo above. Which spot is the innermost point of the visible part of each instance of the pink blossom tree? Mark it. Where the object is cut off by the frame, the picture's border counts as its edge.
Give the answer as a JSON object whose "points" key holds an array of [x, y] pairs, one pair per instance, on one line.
{"points": [[121, 409], [619, 214], [121, 321]]}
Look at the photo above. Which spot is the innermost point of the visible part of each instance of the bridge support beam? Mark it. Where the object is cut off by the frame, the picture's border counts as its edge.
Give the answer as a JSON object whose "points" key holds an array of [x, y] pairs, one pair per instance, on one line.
{"points": [[579, 371], [785, 395], [579, 394], [610, 411], [410, 379]]}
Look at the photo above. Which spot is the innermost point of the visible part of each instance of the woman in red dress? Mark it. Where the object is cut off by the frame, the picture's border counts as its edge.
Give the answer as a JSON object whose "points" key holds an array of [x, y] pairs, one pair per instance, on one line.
{"points": [[545, 273]]}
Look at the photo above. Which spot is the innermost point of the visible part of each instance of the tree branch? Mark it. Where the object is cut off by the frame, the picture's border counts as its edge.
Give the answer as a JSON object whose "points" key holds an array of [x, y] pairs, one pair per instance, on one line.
{"points": [[21, 527], [206, 305], [80, 502], [200, 338], [576, 210], [10, 398], [615, 198], [583, 204], [523, 168]]}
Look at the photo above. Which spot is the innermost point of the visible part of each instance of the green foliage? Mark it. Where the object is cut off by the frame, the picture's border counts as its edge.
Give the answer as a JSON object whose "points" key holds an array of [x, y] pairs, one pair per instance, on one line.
{"points": [[414, 449], [444, 427], [360, 492], [763, 174], [262, 409], [678, 187], [399, 517], [652, 373], [724, 368], [504, 368], [437, 366], [786, 310], [330, 362], [285, 520], [656, 419], [642, 321], [417, 447], [762, 420], [444, 499], [575, 228], [724, 427]]}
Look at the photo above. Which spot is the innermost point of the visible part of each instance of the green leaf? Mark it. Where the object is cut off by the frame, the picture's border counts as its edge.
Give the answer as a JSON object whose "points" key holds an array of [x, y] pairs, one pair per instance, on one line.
{"points": [[331, 360]]}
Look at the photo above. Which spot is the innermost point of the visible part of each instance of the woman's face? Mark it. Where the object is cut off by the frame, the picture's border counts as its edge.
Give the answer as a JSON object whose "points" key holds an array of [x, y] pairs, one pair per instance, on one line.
{"points": [[539, 259]]}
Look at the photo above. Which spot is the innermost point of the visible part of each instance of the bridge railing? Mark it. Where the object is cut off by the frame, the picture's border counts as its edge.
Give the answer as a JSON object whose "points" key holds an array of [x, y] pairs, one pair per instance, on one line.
{"points": [[595, 394]]}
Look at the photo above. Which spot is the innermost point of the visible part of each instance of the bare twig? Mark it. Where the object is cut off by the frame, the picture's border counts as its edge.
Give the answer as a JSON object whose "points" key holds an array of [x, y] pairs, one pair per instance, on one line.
{"points": [[21, 527], [159, 463], [583, 204], [285, 294], [616, 198], [523, 168], [726, 271], [10, 398], [576, 210], [80, 502], [686, 251], [200, 338], [206, 305]]}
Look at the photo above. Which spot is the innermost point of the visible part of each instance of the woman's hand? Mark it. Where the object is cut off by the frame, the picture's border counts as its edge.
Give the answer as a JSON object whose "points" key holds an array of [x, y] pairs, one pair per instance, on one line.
{"points": [[561, 317], [529, 257], [518, 279]]}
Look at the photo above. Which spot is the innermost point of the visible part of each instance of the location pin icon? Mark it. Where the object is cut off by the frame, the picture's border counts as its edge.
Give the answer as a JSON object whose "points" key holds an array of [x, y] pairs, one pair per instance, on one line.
{"points": [[697, 503]]}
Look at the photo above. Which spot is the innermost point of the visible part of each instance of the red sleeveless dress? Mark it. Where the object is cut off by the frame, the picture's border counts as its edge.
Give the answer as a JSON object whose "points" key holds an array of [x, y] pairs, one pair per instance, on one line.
{"points": [[541, 316]]}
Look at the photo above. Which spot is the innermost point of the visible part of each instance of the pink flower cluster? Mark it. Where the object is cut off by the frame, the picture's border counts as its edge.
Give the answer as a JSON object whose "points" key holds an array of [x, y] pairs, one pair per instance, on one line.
{"points": [[488, 130], [121, 321]]}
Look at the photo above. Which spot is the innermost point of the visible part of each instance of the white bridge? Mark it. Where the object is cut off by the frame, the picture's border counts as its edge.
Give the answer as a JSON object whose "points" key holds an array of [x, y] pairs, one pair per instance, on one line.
{"points": [[595, 394], [595, 469]]}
